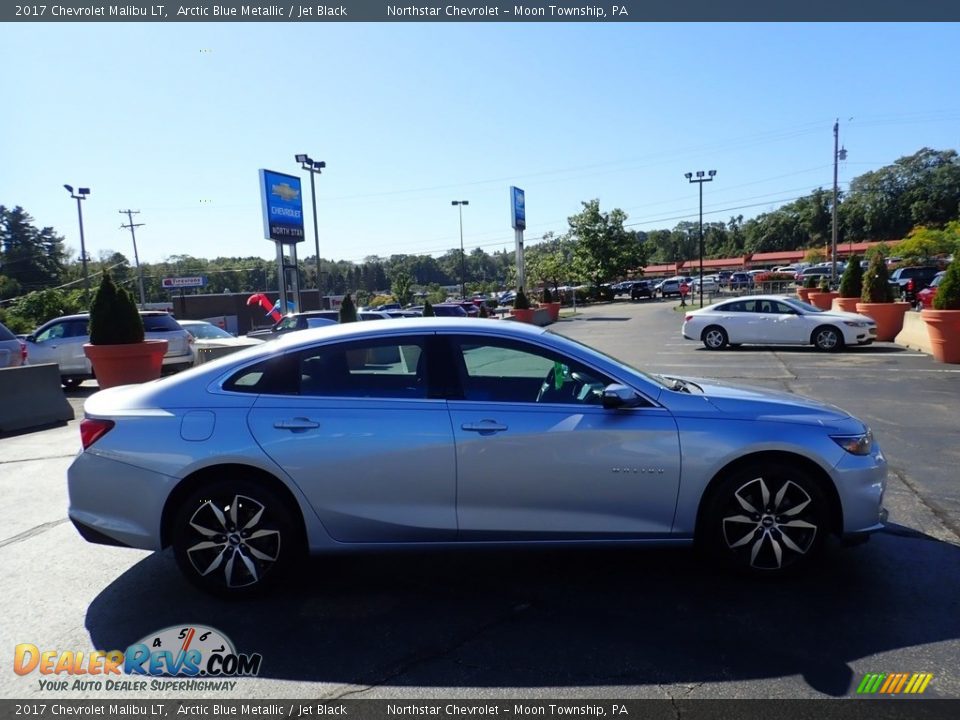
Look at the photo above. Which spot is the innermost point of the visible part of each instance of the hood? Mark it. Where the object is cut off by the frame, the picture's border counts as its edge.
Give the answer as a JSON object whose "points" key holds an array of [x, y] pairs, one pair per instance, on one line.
{"points": [[758, 403], [842, 315]]}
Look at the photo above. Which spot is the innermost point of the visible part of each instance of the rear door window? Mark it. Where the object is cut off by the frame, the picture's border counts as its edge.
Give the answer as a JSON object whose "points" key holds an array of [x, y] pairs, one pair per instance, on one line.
{"points": [[160, 323]]}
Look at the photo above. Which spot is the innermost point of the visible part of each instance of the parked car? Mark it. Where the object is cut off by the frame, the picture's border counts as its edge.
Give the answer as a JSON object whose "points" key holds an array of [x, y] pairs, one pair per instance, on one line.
{"points": [[311, 319], [208, 335], [449, 310], [740, 281], [814, 272], [13, 351], [359, 436], [61, 341], [776, 320], [925, 297], [908, 281], [669, 286], [640, 289], [710, 284]]}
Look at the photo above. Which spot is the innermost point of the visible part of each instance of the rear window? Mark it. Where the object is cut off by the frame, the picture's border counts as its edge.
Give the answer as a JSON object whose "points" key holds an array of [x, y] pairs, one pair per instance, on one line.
{"points": [[5, 334], [160, 323]]}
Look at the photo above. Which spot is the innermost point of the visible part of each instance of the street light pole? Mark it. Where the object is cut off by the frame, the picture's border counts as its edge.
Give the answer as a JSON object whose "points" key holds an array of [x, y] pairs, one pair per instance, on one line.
{"points": [[313, 167], [81, 194], [700, 180], [463, 274]]}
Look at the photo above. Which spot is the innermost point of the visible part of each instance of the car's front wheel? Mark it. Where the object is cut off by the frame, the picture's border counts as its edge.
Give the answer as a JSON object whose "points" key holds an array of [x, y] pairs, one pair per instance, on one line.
{"points": [[714, 338], [234, 537], [766, 518], [827, 339]]}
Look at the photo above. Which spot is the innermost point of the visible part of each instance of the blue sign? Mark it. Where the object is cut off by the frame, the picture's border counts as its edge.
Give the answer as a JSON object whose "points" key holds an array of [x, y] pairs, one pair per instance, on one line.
{"points": [[282, 207], [518, 211]]}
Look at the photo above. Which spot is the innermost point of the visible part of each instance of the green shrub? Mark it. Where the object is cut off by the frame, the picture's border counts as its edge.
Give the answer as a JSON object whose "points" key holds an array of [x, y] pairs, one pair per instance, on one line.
{"points": [[851, 282], [824, 284], [948, 291], [876, 281], [348, 311], [810, 282], [114, 319], [521, 302], [484, 313], [547, 295], [428, 309]]}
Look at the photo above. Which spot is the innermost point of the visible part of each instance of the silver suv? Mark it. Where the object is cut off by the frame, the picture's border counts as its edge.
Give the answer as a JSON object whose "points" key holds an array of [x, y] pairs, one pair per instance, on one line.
{"points": [[61, 341]]}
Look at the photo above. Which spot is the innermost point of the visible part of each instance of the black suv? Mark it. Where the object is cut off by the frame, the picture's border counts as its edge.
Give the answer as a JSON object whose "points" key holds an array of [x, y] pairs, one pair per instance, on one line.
{"points": [[906, 282], [641, 289]]}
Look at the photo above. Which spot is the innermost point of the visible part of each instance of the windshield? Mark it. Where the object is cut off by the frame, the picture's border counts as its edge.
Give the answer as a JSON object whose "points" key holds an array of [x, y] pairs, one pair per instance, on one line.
{"points": [[206, 331]]}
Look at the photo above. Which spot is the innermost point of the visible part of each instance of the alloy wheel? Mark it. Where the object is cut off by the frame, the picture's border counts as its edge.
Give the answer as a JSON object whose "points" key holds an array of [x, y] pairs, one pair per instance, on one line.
{"points": [[232, 542], [770, 529]]}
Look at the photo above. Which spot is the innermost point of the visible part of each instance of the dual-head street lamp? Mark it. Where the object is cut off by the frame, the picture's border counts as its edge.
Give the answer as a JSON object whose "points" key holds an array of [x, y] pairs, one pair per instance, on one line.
{"points": [[700, 177], [463, 275], [81, 194], [313, 167]]}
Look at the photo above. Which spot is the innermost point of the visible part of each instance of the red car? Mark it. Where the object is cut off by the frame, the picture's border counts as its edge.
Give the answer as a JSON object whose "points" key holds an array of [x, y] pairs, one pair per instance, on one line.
{"points": [[925, 296]]}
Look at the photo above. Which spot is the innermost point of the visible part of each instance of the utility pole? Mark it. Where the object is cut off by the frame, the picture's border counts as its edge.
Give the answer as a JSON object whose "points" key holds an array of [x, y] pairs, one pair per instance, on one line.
{"points": [[136, 257], [839, 153]]}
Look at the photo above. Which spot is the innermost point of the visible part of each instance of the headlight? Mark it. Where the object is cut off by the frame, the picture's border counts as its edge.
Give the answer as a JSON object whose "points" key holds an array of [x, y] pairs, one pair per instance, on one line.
{"points": [[857, 323], [855, 444]]}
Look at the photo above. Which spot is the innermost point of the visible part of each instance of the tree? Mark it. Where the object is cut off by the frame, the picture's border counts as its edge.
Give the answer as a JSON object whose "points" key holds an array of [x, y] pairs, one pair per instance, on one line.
{"points": [[924, 243], [551, 261], [32, 258], [604, 249], [428, 309], [401, 285]]}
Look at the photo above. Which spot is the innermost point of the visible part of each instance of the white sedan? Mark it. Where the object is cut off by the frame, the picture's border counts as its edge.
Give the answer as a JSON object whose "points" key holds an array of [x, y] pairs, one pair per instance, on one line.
{"points": [[776, 320]]}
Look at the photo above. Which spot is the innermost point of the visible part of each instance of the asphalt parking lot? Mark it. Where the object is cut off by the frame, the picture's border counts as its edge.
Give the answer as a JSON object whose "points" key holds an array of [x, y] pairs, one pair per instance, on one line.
{"points": [[546, 624]]}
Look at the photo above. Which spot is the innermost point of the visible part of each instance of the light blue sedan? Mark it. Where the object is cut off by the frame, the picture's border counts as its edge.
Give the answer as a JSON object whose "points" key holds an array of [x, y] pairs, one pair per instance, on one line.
{"points": [[454, 432]]}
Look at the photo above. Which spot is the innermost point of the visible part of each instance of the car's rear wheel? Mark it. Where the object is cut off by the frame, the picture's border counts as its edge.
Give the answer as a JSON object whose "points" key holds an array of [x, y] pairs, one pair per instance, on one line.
{"points": [[234, 537], [714, 338], [827, 339], [766, 519]]}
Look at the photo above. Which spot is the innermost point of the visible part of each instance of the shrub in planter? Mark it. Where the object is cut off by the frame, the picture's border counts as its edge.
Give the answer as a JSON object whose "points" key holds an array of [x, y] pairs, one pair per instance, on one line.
{"points": [[943, 320], [876, 300], [484, 313], [521, 302], [851, 286], [824, 284], [547, 295], [810, 282], [348, 311], [114, 319], [876, 282], [822, 297], [428, 310], [117, 349]]}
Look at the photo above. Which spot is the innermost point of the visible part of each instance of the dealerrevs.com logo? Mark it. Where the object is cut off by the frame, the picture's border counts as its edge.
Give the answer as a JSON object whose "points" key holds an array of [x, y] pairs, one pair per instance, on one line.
{"points": [[202, 656]]}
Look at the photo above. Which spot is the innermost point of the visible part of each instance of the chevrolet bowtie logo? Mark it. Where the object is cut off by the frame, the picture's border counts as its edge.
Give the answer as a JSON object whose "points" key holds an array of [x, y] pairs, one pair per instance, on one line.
{"points": [[284, 191]]}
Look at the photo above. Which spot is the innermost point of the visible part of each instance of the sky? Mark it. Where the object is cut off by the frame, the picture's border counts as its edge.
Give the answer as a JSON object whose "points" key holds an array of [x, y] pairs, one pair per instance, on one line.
{"points": [[175, 120]]}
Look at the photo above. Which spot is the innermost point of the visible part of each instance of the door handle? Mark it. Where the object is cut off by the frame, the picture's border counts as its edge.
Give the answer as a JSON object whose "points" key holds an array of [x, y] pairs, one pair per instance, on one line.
{"points": [[484, 427], [296, 424]]}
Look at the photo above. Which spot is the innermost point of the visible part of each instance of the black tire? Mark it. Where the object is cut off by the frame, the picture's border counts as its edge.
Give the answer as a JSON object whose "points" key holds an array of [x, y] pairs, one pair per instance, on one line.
{"points": [[257, 547], [714, 337], [743, 526], [827, 339], [71, 383]]}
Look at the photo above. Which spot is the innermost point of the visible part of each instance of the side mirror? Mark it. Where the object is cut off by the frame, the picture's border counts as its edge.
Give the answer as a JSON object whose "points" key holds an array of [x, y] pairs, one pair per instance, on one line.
{"points": [[620, 396]]}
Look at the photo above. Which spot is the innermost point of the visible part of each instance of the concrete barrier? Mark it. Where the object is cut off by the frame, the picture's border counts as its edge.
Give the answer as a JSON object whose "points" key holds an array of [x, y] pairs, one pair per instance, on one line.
{"points": [[914, 333], [31, 396]]}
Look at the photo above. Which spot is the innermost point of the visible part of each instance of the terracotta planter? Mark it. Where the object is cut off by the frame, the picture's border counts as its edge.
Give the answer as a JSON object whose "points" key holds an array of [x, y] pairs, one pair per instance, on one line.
{"points": [[889, 317], [822, 300], [804, 293], [554, 308], [943, 326], [126, 364], [523, 315], [845, 304]]}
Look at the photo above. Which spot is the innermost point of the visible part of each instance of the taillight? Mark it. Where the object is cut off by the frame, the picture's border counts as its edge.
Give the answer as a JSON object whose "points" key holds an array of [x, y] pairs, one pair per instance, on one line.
{"points": [[909, 285], [23, 353], [688, 318], [92, 430]]}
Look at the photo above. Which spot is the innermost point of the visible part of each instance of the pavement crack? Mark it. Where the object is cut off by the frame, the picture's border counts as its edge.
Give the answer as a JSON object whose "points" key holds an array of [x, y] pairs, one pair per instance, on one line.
{"points": [[32, 532], [939, 513]]}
